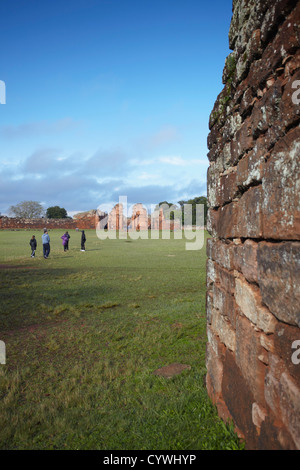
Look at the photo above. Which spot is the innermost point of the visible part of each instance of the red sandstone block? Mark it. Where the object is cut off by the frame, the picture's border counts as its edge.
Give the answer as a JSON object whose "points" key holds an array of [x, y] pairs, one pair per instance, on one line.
{"points": [[221, 326], [211, 275], [292, 64], [212, 216], [249, 217], [242, 218], [221, 188], [278, 278], [285, 43], [250, 167], [243, 141], [220, 252], [213, 182], [219, 298], [272, 384], [223, 222], [266, 111], [215, 370], [289, 110], [238, 398], [245, 259], [290, 406], [284, 338], [283, 398], [247, 101], [277, 12], [281, 196], [249, 300], [214, 137], [209, 248], [209, 306], [225, 278], [273, 435], [248, 350], [228, 187], [232, 124]]}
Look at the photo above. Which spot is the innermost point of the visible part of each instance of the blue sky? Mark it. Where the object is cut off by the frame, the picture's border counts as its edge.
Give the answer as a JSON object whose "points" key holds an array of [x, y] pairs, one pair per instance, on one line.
{"points": [[108, 98]]}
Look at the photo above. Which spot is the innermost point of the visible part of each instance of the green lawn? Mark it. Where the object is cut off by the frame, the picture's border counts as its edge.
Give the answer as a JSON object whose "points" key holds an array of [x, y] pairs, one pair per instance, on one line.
{"points": [[84, 334]]}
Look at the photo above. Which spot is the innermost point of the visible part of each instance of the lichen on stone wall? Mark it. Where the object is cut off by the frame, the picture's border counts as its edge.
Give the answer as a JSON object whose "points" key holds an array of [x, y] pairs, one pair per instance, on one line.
{"points": [[253, 267]]}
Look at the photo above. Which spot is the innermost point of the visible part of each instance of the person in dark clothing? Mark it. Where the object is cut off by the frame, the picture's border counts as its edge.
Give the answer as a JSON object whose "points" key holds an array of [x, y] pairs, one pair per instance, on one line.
{"points": [[83, 240], [33, 245], [67, 241]]}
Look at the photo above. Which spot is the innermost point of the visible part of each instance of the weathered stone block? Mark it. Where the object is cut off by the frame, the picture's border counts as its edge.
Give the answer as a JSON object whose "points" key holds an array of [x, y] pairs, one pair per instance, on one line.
{"points": [[289, 110], [249, 221], [226, 279], [215, 374], [284, 338], [278, 278], [245, 259], [250, 167], [290, 406], [248, 349], [221, 327], [248, 298], [281, 190], [242, 142], [238, 398]]}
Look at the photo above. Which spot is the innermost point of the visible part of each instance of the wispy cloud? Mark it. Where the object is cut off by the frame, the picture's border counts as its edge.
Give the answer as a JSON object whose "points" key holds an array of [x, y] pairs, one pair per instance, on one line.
{"points": [[34, 129], [173, 160]]}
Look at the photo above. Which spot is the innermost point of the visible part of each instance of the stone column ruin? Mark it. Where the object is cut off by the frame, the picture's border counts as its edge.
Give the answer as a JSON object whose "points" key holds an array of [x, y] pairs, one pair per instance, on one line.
{"points": [[253, 266]]}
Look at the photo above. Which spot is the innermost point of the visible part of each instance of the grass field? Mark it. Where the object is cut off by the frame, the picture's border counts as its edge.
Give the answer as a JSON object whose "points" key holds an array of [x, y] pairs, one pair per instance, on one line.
{"points": [[84, 334]]}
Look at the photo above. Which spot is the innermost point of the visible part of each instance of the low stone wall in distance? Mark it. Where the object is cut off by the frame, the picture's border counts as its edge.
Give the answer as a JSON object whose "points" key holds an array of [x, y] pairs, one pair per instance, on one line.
{"points": [[11, 223]]}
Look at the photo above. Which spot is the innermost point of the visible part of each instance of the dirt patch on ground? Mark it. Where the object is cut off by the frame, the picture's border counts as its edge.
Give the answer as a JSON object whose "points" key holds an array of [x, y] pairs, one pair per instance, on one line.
{"points": [[41, 328], [171, 370], [11, 266]]}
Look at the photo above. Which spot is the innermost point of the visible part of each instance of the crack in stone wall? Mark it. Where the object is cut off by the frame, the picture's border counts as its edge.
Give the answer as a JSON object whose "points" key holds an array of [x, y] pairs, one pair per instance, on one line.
{"points": [[253, 266]]}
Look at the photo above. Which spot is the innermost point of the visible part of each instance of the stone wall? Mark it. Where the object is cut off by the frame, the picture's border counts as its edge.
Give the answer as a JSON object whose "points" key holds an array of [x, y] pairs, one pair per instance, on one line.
{"points": [[253, 267], [83, 221]]}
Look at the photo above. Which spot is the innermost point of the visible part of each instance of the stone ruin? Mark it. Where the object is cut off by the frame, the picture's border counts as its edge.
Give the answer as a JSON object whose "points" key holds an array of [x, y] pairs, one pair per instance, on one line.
{"points": [[253, 266], [140, 220]]}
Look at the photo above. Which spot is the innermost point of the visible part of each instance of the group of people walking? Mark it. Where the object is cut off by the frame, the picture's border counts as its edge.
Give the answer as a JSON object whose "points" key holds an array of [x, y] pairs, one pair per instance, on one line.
{"points": [[46, 243]]}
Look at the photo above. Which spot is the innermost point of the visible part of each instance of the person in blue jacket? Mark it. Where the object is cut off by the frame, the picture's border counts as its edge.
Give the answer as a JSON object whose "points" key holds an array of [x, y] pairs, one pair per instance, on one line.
{"points": [[46, 243]]}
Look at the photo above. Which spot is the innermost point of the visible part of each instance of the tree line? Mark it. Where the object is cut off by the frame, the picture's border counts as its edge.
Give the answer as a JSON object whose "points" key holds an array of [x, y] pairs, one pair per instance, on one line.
{"points": [[34, 210], [176, 211]]}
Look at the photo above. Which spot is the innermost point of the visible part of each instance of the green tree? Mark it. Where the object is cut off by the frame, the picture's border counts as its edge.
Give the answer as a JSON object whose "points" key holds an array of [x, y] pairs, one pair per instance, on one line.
{"points": [[56, 212], [194, 202], [27, 210]]}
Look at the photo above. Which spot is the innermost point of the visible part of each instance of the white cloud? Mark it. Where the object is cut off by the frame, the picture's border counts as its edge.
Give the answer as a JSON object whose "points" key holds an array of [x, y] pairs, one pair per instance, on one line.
{"points": [[173, 160]]}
